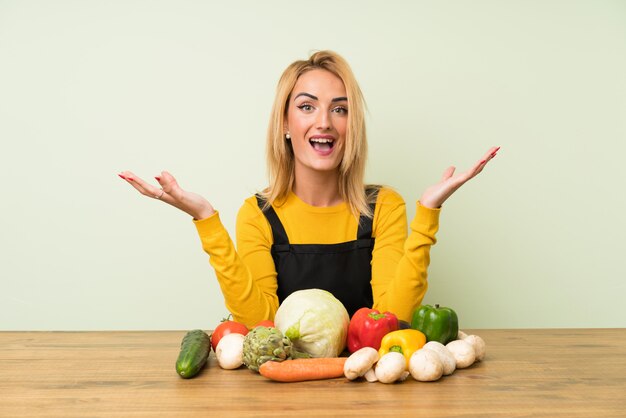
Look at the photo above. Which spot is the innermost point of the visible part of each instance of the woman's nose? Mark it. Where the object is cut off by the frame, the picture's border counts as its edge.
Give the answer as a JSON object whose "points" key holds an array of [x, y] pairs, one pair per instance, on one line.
{"points": [[324, 121]]}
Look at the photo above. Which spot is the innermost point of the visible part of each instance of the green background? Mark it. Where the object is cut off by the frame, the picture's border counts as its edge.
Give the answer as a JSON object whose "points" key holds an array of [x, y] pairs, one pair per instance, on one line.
{"points": [[88, 89]]}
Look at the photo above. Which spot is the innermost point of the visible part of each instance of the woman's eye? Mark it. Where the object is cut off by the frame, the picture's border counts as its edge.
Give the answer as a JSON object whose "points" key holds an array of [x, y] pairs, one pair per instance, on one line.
{"points": [[305, 107], [341, 110]]}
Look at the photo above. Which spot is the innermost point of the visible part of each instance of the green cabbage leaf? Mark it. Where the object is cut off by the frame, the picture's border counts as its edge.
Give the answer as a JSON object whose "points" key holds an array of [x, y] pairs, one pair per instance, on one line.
{"points": [[315, 321]]}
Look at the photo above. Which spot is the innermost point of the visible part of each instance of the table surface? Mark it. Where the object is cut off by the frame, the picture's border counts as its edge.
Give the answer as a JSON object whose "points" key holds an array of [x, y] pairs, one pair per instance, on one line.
{"points": [[526, 372]]}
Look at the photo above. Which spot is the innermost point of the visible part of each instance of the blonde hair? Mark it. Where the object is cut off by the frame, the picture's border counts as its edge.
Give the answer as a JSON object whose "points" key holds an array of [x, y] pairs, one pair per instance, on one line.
{"points": [[280, 157]]}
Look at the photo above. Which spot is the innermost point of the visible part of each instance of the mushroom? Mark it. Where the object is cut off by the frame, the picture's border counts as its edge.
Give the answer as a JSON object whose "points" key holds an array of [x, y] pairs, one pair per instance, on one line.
{"points": [[360, 362], [479, 346], [461, 335], [425, 365], [229, 351], [447, 359], [463, 353], [370, 375], [391, 367]]}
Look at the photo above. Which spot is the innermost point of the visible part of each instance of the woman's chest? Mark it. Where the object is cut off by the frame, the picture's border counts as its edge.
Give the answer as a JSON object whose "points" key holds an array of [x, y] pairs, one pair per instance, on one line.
{"points": [[316, 228]]}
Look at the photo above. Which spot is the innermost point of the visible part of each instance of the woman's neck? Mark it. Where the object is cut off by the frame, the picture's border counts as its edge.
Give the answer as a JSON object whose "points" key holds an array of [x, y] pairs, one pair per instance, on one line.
{"points": [[320, 189]]}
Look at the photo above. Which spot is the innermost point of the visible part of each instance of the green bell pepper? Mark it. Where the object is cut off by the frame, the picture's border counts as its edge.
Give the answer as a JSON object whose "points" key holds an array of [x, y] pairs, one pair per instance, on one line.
{"points": [[438, 324]]}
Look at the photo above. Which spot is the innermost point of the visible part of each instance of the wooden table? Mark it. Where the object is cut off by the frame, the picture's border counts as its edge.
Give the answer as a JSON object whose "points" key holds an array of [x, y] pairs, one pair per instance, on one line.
{"points": [[554, 373]]}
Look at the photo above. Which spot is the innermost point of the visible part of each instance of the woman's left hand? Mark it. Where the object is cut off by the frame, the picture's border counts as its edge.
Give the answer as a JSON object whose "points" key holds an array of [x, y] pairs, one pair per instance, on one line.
{"points": [[438, 193]]}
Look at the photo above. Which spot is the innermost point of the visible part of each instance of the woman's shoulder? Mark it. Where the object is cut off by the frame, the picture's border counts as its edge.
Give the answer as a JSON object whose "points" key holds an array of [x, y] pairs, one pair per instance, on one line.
{"points": [[251, 202], [389, 213], [250, 210], [388, 196]]}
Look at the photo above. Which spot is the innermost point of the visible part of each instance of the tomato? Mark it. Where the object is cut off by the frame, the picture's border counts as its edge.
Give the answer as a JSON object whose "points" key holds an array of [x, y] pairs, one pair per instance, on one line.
{"points": [[265, 323], [227, 327]]}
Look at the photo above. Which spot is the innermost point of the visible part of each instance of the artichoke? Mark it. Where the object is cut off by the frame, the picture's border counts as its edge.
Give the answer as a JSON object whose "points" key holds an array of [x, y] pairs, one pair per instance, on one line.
{"points": [[267, 343]]}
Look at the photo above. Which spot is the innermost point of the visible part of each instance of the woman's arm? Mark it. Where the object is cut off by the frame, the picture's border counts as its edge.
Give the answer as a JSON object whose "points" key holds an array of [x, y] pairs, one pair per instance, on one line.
{"points": [[247, 277], [400, 264], [171, 193], [249, 293], [438, 193]]}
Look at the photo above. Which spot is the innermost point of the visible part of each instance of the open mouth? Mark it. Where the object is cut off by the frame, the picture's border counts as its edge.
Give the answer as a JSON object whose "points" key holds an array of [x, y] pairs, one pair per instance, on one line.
{"points": [[322, 144]]}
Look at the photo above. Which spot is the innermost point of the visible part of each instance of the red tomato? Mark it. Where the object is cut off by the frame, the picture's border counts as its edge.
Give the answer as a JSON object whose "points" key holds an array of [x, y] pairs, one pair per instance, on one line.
{"points": [[227, 327], [265, 323]]}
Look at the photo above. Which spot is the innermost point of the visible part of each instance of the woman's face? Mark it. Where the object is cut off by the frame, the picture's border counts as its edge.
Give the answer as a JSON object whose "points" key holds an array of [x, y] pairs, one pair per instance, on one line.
{"points": [[317, 117]]}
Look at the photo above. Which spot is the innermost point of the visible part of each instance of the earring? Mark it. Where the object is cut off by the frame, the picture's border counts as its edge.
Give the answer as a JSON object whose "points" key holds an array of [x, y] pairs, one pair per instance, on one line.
{"points": [[288, 136]]}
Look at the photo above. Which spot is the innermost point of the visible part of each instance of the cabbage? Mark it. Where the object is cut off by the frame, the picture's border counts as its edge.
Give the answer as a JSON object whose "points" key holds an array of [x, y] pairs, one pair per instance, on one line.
{"points": [[315, 321]]}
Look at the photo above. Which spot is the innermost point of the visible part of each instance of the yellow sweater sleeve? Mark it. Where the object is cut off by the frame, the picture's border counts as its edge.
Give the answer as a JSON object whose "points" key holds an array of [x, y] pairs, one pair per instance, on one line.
{"points": [[247, 279], [400, 264]]}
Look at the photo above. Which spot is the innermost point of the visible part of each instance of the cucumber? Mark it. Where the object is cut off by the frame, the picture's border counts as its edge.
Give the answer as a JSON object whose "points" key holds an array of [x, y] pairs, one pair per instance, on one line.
{"points": [[194, 352]]}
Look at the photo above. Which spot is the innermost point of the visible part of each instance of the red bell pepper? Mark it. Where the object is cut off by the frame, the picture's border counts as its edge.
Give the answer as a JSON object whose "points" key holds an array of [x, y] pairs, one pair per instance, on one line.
{"points": [[368, 327]]}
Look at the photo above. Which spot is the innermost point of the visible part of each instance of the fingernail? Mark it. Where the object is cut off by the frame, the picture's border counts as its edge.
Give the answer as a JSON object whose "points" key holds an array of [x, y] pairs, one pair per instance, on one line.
{"points": [[130, 179], [483, 161], [493, 155], [122, 176], [157, 178]]}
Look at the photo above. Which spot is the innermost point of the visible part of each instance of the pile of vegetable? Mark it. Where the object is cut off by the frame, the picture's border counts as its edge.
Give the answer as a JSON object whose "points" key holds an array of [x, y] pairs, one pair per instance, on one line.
{"points": [[432, 348], [312, 329], [227, 341], [426, 362]]}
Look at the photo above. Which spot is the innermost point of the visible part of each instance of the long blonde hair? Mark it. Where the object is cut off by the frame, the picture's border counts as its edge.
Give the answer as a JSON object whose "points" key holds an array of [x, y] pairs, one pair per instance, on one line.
{"points": [[280, 157]]}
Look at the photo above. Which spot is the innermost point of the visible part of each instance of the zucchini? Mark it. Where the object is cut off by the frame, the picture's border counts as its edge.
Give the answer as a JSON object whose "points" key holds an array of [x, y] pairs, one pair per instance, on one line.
{"points": [[194, 352]]}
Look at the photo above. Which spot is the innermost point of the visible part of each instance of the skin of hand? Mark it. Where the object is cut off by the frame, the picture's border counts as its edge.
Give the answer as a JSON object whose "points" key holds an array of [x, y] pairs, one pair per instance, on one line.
{"points": [[438, 193], [171, 193]]}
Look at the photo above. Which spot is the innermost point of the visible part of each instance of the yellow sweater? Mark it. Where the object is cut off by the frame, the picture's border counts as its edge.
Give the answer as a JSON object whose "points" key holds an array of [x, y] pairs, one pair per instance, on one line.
{"points": [[247, 276]]}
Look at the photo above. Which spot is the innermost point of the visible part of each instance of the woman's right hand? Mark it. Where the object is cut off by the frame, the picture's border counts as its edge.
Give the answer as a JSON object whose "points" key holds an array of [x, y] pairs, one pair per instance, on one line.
{"points": [[170, 192]]}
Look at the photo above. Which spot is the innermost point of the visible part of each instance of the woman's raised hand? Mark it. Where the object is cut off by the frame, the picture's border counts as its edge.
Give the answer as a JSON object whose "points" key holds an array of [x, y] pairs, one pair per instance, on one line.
{"points": [[170, 192], [438, 193]]}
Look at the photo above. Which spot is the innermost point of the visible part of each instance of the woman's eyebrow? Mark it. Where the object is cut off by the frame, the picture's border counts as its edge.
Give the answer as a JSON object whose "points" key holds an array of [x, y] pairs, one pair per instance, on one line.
{"points": [[307, 95], [336, 99]]}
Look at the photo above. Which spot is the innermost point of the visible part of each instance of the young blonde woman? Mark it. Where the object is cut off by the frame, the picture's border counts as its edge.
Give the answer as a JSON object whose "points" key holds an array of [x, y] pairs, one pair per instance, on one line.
{"points": [[318, 225]]}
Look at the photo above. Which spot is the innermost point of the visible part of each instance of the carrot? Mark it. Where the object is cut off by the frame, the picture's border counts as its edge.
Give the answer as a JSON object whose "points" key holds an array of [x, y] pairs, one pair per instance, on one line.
{"points": [[299, 370]]}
